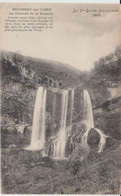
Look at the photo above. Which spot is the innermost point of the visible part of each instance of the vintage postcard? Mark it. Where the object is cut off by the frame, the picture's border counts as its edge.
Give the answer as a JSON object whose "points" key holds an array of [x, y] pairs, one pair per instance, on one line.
{"points": [[60, 98]]}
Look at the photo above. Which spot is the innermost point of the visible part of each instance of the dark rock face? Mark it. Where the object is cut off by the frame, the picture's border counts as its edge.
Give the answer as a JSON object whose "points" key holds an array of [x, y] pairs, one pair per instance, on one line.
{"points": [[93, 138], [27, 130]]}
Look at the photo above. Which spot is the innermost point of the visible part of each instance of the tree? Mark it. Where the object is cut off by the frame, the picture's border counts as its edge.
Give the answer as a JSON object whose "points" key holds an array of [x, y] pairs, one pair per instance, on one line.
{"points": [[117, 53], [109, 58], [100, 65]]}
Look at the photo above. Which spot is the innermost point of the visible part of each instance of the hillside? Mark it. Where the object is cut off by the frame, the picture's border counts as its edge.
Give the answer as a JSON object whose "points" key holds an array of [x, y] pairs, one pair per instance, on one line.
{"points": [[40, 67], [103, 83], [21, 77], [86, 171]]}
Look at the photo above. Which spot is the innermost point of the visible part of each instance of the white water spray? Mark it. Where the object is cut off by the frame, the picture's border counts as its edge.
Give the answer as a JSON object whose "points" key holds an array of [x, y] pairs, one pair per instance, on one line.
{"points": [[88, 114], [38, 129], [59, 146], [89, 121], [72, 107], [102, 140]]}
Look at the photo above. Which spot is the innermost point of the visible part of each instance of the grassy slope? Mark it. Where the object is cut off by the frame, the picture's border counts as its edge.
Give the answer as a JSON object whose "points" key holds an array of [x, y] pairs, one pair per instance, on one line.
{"points": [[27, 172]]}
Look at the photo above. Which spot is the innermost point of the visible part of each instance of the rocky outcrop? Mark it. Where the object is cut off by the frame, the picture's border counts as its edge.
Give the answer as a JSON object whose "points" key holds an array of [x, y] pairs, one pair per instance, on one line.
{"points": [[113, 105]]}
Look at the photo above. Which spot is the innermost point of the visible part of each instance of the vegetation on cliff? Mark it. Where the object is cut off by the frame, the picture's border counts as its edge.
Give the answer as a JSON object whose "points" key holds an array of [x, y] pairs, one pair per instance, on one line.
{"points": [[86, 171]]}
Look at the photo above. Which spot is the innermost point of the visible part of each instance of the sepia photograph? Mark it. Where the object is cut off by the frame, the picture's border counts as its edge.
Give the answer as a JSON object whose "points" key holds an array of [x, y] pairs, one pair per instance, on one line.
{"points": [[60, 67]]}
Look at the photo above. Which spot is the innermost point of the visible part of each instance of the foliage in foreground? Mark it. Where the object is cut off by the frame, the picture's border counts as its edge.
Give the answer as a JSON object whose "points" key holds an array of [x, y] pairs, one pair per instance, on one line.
{"points": [[27, 172]]}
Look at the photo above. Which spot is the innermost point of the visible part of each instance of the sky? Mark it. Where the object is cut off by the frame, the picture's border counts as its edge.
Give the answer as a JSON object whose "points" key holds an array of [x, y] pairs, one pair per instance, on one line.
{"points": [[78, 39]]}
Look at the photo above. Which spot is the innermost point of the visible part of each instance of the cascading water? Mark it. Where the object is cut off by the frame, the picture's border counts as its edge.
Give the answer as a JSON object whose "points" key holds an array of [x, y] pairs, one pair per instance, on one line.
{"points": [[72, 107], [59, 146], [87, 113], [54, 106], [38, 129], [89, 121]]}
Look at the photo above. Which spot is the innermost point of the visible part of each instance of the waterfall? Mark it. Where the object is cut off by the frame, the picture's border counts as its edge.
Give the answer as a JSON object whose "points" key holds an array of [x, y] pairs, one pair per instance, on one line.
{"points": [[38, 129], [72, 107], [87, 114], [102, 140], [54, 108], [89, 121], [59, 146]]}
